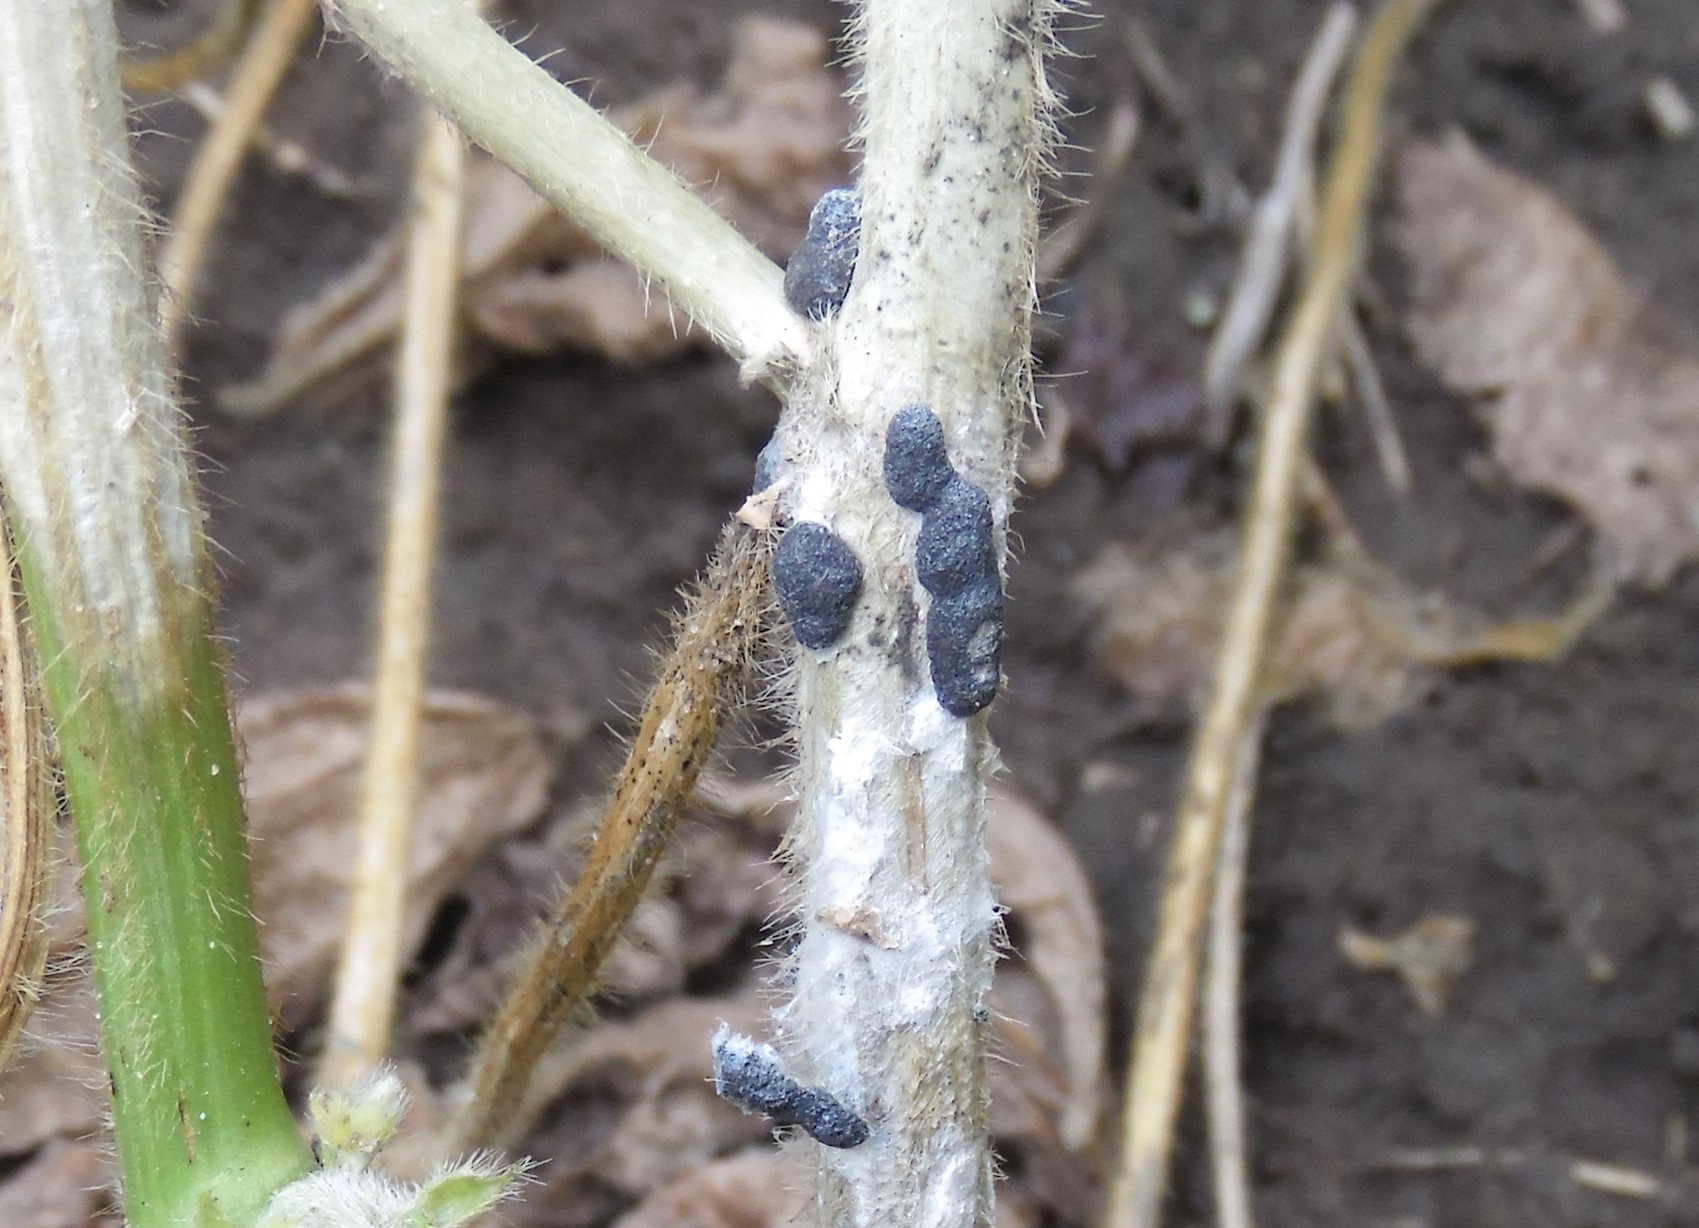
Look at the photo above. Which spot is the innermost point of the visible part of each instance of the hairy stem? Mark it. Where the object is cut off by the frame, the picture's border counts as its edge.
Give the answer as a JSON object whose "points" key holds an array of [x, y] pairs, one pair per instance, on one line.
{"points": [[588, 168], [100, 498], [711, 651], [897, 910]]}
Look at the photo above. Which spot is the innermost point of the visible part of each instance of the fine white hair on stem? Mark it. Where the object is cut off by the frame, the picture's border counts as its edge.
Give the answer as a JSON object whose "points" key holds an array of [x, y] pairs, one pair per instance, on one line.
{"points": [[894, 961]]}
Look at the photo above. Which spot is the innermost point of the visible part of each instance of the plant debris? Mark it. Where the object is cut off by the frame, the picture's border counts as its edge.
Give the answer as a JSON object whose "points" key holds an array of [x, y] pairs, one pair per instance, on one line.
{"points": [[1352, 633], [1587, 394], [762, 149], [1429, 956]]}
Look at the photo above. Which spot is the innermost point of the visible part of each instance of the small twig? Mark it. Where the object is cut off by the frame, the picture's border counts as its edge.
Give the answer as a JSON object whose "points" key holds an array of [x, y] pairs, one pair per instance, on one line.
{"points": [[1365, 376], [1223, 1083], [589, 169], [1262, 268], [1160, 1037], [288, 156], [25, 807], [254, 80], [714, 645], [1224, 200], [363, 1007], [199, 56]]}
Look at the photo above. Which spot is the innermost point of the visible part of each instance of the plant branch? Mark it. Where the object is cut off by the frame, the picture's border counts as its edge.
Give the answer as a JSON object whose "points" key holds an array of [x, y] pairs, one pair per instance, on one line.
{"points": [[100, 497], [26, 810], [253, 83], [363, 1007], [588, 169], [713, 647], [894, 963], [1154, 1074]]}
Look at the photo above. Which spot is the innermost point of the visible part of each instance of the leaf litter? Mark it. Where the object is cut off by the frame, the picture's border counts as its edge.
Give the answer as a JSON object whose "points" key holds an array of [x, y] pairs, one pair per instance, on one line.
{"points": [[626, 1111], [1352, 634], [1587, 393], [761, 149]]}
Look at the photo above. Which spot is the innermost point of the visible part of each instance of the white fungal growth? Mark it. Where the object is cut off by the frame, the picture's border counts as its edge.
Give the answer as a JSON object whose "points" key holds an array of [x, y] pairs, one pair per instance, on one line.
{"points": [[891, 824], [81, 362]]}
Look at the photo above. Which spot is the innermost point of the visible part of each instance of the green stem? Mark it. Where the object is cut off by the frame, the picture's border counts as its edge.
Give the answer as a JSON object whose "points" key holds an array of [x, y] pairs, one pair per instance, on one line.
{"points": [[98, 488]]}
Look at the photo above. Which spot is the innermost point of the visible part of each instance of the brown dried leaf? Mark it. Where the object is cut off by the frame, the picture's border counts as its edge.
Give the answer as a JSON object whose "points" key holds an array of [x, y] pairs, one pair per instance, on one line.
{"points": [[483, 775], [1042, 884], [1351, 631], [1587, 396], [64, 1186], [760, 1188], [1428, 957], [761, 150]]}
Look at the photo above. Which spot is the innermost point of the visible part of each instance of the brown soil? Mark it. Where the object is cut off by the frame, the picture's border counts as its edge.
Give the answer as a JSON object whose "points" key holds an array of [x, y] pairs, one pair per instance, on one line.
{"points": [[1553, 805]]}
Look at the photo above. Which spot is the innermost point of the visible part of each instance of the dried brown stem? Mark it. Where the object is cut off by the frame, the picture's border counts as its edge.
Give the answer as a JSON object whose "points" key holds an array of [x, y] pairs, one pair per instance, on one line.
{"points": [[1155, 1072], [204, 53], [25, 806], [363, 1008], [254, 81], [711, 652]]}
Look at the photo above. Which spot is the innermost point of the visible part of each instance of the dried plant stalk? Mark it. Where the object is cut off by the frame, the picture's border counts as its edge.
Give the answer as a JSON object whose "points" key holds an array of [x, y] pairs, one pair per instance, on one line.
{"points": [[363, 1007], [712, 650], [1160, 1038], [254, 81], [26, 807], [158, 74]]}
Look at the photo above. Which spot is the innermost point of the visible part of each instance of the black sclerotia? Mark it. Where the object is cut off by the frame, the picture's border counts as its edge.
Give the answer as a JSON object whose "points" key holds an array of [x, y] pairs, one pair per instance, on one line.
{"points": [[964, 645], [956, 547], [817, 277], [917, 464], [818, 579], [750, 1076]]}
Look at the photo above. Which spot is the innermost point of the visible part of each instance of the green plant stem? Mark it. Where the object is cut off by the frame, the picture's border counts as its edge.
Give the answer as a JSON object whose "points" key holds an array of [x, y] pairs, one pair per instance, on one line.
{"points": [[100, 495]]}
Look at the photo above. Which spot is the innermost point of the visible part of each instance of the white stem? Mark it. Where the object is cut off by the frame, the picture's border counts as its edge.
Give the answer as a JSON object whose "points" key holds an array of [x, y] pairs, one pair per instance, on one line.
{"points": [[895, 957], [588, 168], [87, 423]]}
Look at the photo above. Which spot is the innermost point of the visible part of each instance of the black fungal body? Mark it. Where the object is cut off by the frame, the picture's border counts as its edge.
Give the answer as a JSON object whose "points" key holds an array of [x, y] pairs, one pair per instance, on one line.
{"points": [[750, 1076], [818, 579], [817, 277], [917, 465], [766, 467], [964, 643], [956, 547]]}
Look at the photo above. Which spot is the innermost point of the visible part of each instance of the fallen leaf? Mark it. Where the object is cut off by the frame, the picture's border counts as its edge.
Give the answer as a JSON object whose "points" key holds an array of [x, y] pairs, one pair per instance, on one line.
{"points": [[1429, 956], [1587, 395], [483, 775], [1350, 631], [760, 1188], [761, 150], [1041, 883]]}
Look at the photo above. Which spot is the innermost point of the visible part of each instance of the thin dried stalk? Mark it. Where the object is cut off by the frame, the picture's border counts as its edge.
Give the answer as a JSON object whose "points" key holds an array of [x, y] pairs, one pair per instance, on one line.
{"points": [[1155, 1071], [201, 55], [1224, 1087], [712, 650], [1262, 267], [363, 1007], [253, 82], [26, 806]]}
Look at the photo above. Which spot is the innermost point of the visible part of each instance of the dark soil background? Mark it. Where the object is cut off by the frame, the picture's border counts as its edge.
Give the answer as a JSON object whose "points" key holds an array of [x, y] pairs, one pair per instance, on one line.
{"points": [[1543, 802]]}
